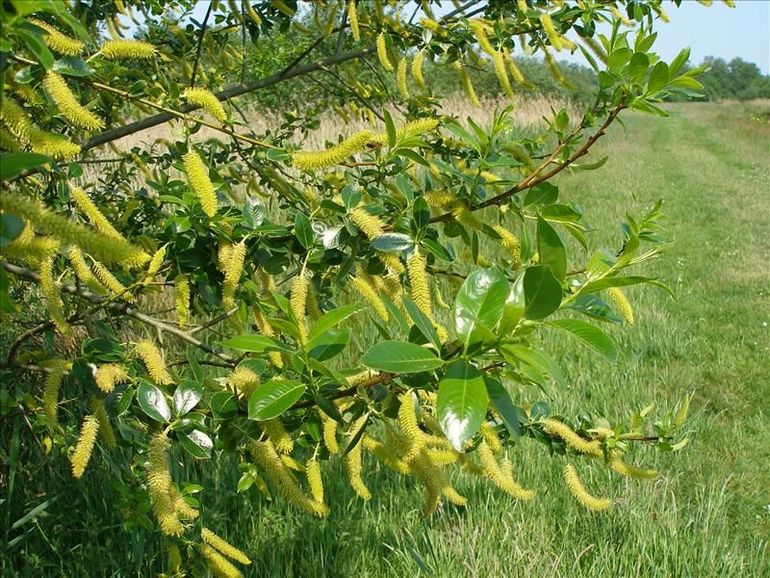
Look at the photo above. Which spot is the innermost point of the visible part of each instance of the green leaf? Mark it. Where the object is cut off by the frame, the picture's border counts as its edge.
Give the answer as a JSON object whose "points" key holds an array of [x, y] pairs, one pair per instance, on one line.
{"points": [[541, 194], [223, 405], [303, 230], [153, 402], [329, 344], [124, 400], [33, 39], [638, 65], [461, 403], [590, 335], [618, 58], [400, 357], [390, 128], [542, 292], [392, 242], [536, 359], [332, 318], [513, 310], [254, 343], [511, 415], [11, 227], [273, 398], [551, 249], [658, 77], [196, 443], [187, 396], [479, 303], [606, 283], [422, 322], [72, 67], [12, 164]]}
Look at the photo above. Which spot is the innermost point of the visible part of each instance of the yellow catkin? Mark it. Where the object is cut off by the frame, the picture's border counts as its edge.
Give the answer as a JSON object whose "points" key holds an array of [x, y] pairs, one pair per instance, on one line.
{"points": [[8, 142], [224, 547], [105, 248], [502, 74], [83, 271], [553, 67], [58, 41], [52, 295], [183, 510], [621, 303], [577, 489], [435, 481], [369, 225], [310, 160], [385, 454], [382, 53], [627, 470], [513, 68], [417, 69], [430, 24], [68, 104], [159, 486], [153, 360], [51, 391], [595, 47], [280, 438], [554, 37], [465, 78], [243, 381], [353, 20], [20, 127], [85, 446], [251, 13], [207, 100], [108, 375], [127, 49], [314, 480], [403, 89], [364, 288], [182, 300], [329, 432], [498, 476], [573, 440], [298, 302], [174, 559], [265, 455], [490, 436], [353, 463], [95, 216], [510, 243], [407, 421], [418, 283], [156, 262], [233, 271], [264, 327], [219, 565], [479, 29], [200, 183], [111, 282], [105, 427]]}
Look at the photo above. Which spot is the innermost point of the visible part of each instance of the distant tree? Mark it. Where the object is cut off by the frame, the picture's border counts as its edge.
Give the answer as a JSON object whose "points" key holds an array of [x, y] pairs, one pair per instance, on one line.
{"points": [[737, 79]]}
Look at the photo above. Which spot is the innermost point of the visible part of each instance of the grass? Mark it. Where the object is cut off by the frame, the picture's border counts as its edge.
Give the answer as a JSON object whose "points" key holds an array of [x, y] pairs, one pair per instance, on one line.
{"points": [[708, 514]]}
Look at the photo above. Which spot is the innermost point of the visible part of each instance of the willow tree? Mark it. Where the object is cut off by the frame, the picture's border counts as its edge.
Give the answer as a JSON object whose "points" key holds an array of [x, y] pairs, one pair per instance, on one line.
{"points": [[445, 239]]}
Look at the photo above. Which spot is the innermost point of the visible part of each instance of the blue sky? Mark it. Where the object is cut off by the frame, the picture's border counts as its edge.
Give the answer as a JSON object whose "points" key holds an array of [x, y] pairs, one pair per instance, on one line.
{"points": [[743, 31]]}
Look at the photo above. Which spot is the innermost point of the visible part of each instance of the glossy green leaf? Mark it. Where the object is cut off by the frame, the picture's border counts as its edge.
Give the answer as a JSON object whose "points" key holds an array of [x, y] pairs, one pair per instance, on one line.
{"points": [[479, 304], [400, 357], [551, 249], [590, 335], [658, 77], [153, 402], [11, 227], [536, 359], [329, 344], [254, 343], [223, 405], [187, 396], [273, 398], [511, 415], [13, 164], [196, 443], [33, 39], [72, 67], [303, 230], [422, 322], [542, 292], [461, 403], [332, 318], [392, 242]]}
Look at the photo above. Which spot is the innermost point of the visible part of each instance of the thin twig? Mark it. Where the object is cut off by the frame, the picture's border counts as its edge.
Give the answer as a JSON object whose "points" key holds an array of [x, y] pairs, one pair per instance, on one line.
{"points": [[200, 44]]}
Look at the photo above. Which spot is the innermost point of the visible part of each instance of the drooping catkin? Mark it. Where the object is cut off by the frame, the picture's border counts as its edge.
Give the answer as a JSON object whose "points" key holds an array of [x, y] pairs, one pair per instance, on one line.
{"points": [[95, 216], [108, 375], [224, 547], [418, 283], [465, 78], [353, 20], [627, 470], [127, 49], [385, 454], [83, 271], [183, 510], [329, 432], [280, 438], [264, 327], [363, 285], [578, 490], [153, 360], [490, 436], [218, 564], [200, 183], [111, 282], [479, 29], [382, 53], [243, 381], [435, 481], [156, 262], [353, 462], [407, 421], [105, 248], [510, 242], [57, 40], [568, 436], [105, 427], [502, 74], [233, 271], [621, 303], [310, 160], [182, 299], [369, 225], [68, 104], [403, 88], [51, 388], [298, 302], [314, 480], [52, 295], [85, 446], [498, 476], [159, 485], [207, 100]]}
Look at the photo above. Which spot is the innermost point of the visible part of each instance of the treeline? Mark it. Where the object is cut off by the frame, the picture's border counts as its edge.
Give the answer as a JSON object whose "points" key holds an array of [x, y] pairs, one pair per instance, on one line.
{"points": [[734, 80]]}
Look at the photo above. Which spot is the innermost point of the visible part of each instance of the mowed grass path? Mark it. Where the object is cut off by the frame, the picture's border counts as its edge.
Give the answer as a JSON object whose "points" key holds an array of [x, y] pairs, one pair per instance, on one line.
{"points": [[706, 515]]}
